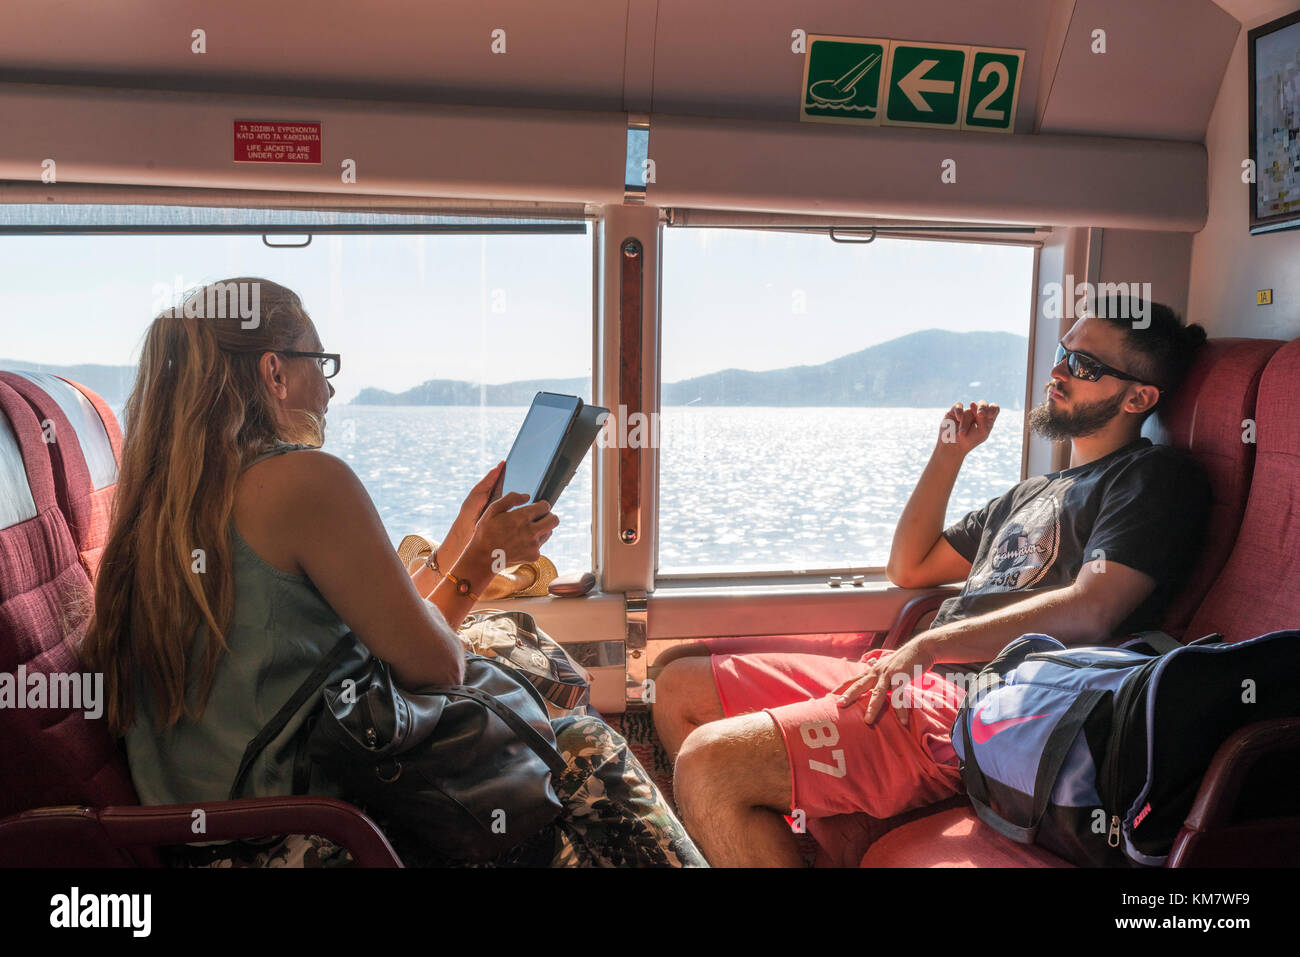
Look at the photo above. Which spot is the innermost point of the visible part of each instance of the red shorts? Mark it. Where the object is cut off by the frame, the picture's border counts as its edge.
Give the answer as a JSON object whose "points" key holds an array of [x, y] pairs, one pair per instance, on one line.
{"points": [[838, 763]]}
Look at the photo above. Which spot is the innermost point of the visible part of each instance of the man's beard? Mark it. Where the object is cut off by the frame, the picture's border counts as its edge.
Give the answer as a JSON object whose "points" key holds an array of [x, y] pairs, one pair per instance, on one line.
{"points": [[1085, 419]]}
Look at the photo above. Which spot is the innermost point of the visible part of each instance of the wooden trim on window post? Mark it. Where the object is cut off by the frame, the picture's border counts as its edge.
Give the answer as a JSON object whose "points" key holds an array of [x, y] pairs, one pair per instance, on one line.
{"points": [[631, 273]]}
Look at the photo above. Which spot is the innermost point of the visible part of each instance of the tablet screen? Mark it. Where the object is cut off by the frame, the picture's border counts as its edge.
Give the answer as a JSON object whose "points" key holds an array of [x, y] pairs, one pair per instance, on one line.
{"points": [[539, 438]]}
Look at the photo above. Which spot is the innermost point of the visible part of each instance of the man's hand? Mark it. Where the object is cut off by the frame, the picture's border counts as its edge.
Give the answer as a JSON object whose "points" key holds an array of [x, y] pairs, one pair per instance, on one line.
{"points": [[879, 679], [964, 428]]}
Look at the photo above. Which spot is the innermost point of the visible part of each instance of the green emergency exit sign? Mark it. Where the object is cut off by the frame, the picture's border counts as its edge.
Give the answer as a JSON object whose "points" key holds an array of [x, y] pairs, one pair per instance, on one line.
{"points": [[875, 82]]}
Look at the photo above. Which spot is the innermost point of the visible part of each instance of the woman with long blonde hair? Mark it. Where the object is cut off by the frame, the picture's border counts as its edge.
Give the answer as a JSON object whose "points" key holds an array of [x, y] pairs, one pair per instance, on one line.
{"points": [[232, 568]]}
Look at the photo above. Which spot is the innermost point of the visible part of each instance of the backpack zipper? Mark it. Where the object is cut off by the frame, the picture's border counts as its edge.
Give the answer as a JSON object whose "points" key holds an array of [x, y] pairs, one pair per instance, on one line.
{"points": [[1120, 710], [1061, 659]]}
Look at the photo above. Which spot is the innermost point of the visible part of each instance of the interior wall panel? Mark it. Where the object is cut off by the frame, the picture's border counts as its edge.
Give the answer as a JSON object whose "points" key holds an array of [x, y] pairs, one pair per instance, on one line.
{"points": [[153, 138], [1062, 181]]}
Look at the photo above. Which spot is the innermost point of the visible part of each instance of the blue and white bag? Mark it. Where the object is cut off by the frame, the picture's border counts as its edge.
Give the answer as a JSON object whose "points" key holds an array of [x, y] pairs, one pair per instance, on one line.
{"points": [[1096, 753]]}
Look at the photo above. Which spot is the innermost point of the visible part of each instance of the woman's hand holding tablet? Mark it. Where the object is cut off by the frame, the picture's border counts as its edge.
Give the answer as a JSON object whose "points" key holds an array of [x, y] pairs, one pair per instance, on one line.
{"points": [[519, 530]]}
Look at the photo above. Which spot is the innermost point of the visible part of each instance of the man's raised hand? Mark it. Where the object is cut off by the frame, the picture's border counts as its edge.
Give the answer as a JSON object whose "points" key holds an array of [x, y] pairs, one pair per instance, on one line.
{"points": [[964, 427]]}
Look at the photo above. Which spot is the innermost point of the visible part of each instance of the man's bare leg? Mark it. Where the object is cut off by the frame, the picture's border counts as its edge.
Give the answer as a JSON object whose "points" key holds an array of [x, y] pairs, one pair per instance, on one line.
{"points": [[732, 783], [685, 698]]}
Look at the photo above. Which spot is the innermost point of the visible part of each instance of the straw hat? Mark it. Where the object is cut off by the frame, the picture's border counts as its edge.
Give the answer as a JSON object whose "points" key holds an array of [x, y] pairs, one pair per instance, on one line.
{"points": [[524, 580]]}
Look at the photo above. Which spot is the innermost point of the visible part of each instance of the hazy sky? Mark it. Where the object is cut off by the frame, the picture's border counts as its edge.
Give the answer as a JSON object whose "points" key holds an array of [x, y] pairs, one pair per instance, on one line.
{"points": [[403, 309]]}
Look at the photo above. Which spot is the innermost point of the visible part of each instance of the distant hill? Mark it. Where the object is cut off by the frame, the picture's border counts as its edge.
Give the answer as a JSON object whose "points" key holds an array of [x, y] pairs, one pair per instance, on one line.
{"points": [[928, 369], [113, 383], [455, 392], [931, 368]]}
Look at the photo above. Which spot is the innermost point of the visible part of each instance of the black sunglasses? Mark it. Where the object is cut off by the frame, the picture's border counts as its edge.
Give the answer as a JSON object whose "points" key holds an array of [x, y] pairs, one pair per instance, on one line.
{"points": [[329, 361], [1090, 368]]}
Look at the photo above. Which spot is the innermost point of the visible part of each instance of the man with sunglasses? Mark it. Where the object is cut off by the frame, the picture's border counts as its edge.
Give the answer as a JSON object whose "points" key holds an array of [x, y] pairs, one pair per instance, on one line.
{"points": [[1083, 554]]}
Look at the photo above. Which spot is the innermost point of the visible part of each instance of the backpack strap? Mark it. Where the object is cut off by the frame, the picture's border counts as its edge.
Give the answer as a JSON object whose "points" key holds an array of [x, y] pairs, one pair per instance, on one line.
{"points": [[273, 727], [1049, 767], [1157, 642]]}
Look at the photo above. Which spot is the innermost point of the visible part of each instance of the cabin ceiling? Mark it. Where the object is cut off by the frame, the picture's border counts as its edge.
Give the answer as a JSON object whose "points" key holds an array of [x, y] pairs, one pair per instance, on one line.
{"points": [[725, 58]]}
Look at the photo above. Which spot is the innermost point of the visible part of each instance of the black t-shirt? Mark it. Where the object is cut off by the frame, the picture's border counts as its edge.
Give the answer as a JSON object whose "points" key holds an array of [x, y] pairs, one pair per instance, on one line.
{"points": [[1143, 506]]}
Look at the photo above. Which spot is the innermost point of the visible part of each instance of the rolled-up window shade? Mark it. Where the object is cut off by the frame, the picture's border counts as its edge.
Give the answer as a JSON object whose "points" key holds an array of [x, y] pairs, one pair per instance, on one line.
{"points": [[77, 207], [851, 228]]}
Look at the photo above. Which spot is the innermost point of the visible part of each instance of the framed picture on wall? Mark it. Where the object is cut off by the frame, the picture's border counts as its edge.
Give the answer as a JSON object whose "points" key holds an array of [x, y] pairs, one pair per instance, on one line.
{"points": [[1274, 52]]}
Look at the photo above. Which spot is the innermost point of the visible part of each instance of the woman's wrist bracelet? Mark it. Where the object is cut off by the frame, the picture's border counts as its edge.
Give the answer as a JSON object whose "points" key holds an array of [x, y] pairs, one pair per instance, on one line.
{"points": [[462, 585]]}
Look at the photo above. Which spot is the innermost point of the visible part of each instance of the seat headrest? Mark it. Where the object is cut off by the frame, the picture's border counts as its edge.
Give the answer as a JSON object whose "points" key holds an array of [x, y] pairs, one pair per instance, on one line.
{"points": [[1251, 596], [91, 432], [26, 482]]}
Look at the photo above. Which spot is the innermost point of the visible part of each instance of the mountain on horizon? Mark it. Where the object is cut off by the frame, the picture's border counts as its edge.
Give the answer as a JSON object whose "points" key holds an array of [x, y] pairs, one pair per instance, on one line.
{"points": [[932, 368]]}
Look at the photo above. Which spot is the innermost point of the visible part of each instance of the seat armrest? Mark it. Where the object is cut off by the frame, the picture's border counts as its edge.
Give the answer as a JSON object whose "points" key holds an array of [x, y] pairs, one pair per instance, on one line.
{"points": [[832, 646], [1208, 836], [910, 615], [829, 645], [122, 836]]}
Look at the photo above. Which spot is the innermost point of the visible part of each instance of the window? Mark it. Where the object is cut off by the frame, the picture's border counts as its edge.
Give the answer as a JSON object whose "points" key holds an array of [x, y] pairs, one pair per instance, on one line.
{"points": [[804, 383], [444, 340]]}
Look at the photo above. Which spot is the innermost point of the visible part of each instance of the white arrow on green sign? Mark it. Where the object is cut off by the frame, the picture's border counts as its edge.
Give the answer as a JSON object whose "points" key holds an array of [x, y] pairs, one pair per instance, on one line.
{"points": [[926, 85]]}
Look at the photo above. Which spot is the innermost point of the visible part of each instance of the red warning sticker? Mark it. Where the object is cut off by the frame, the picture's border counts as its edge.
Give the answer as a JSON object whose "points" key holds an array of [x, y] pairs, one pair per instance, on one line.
{"points": [[265, 141]]}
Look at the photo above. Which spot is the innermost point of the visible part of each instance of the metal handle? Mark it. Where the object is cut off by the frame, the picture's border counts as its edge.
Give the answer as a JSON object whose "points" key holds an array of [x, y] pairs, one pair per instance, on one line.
{"points": [[859, 241], [267, 241]]}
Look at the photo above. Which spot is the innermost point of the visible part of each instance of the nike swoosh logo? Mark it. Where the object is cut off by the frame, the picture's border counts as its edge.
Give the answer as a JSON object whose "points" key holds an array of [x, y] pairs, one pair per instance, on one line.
{"points": [[982, 730]]}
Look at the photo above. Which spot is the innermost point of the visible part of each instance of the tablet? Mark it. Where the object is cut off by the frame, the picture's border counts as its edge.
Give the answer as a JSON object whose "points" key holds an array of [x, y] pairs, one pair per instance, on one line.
{"points": [[538, 443], [586, 426], [550, 445]]}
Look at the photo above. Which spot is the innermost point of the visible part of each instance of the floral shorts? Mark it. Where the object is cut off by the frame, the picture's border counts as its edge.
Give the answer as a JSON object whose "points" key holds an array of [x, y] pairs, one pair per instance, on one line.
{"points": [[614, 816]]}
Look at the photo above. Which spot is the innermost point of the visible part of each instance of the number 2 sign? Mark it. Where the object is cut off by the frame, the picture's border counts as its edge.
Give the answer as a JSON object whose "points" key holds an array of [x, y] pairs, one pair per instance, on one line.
{"points": [[994, 85]]}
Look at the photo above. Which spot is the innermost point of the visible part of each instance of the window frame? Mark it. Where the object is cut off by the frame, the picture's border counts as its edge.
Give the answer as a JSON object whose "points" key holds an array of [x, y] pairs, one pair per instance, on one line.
{"points": [[854, 578], [544, 221]]}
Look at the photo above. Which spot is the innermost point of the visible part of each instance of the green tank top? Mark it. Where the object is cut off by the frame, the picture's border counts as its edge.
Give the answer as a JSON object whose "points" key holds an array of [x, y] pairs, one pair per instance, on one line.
{"points": [[280, 630]]}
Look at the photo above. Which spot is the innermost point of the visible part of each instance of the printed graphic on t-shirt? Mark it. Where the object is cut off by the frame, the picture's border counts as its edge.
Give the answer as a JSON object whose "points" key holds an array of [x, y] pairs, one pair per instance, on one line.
{"points": [[1024, 551]]}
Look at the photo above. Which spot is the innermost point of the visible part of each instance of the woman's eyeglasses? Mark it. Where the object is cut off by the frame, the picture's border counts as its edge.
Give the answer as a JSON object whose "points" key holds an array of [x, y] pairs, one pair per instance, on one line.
{"points": [[329, 361], [1089, 368]]}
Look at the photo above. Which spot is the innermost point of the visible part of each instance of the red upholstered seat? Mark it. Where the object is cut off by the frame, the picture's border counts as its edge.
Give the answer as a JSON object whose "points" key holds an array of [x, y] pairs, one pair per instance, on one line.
{"points": [[1205, 419], [954, 838], [84, 455], [1256, 591], [48, 755], [1244, 599]]}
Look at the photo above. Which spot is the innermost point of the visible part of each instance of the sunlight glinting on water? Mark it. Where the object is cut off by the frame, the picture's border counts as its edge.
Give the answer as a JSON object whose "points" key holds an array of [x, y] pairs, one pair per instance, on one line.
{"points": [[740, 488]]}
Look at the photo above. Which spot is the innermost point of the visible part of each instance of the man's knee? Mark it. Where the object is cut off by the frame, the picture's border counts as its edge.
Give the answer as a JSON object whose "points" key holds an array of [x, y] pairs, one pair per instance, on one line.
{"points": [[680, 683], [735, 761], [685, 693]]}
